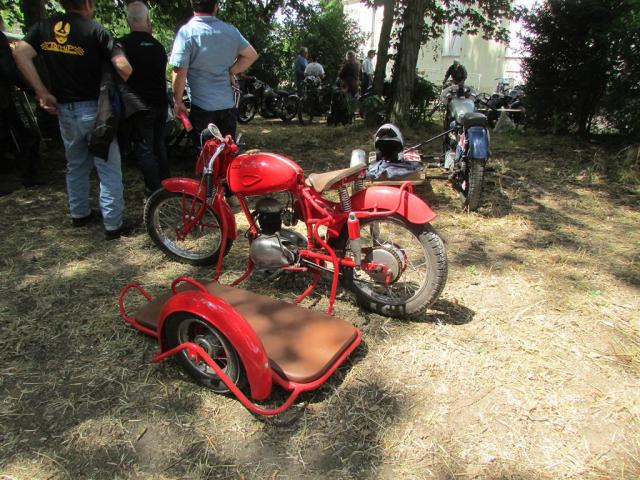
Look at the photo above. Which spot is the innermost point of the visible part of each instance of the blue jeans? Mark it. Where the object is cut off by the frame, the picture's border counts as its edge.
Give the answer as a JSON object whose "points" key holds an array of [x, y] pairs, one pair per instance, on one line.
{"points": [[77, 121]]}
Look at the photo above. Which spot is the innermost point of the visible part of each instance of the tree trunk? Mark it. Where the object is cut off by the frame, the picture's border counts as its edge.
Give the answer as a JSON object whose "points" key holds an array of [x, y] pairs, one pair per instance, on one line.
{"points": [[33, 11], [383, 47], [404, 69]]}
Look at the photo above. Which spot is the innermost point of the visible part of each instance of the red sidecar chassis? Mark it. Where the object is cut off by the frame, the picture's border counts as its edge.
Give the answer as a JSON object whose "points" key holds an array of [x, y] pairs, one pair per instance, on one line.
{"points": [[277, 342]]}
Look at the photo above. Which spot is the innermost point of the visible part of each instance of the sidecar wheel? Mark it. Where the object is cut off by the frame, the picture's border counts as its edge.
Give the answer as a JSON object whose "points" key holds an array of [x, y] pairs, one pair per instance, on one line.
{"points": [[186, 327], [418, 260], [164, 214]]}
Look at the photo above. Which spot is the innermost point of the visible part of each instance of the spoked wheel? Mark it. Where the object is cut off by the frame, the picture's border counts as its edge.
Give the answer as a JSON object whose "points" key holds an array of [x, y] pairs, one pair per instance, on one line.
{"points": [[469, 184], [185, 327], [415, 257], [247, 110], [289, 108], [166, 215], [306, 110]]}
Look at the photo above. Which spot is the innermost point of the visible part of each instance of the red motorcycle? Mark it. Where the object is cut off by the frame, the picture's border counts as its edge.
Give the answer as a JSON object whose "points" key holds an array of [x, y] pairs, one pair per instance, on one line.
{"points": [[377, 241]]}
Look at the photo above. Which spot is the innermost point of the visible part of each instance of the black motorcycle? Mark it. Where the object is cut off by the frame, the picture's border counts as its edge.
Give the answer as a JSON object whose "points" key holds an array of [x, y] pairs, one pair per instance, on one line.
{"points": [[260, 97], [315, 101], [504, 100]]}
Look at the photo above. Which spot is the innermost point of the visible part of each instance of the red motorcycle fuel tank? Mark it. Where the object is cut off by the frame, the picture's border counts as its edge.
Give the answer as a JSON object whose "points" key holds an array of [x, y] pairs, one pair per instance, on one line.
{"points": [[261, 173]]}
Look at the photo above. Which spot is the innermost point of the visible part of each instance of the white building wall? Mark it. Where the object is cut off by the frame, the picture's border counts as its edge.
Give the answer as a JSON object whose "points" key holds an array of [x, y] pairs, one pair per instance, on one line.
{"points": [[485, 60]]}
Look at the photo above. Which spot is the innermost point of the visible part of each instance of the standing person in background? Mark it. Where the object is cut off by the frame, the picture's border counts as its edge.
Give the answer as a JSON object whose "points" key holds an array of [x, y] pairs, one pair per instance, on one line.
{"points": [[74, 48], [209, 53], [14, 119], [314, 69], [149, 61], [299, 67], [457, 72], [368, 70], [350, 74]]}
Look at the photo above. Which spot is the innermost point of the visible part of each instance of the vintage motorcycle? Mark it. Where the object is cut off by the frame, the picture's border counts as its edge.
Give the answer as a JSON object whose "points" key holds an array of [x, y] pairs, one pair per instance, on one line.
{"points": [[260, 97], [315, 101], [465, 145], [378, 241]]}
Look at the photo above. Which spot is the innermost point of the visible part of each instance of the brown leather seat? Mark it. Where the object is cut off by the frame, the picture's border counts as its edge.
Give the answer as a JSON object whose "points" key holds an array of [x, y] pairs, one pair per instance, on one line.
{"points": [[323, 181], [301, 344]]}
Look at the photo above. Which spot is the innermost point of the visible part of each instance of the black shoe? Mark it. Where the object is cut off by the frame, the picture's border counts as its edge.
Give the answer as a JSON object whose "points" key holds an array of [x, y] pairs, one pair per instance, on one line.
{"points": [[94, 216], [124, 231], [31, 183]]}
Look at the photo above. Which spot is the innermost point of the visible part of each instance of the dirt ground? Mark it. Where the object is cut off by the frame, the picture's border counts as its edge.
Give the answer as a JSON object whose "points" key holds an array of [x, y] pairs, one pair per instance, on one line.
{"points": [[528, 367]]}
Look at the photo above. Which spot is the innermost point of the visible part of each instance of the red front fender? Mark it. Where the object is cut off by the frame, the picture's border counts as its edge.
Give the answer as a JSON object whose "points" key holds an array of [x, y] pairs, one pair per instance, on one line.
{"points": [[190, 186], [233, 326], [413, 208]]}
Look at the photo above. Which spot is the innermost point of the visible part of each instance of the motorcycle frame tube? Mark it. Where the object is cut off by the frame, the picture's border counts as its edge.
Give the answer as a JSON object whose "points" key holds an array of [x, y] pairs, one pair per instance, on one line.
{"points": [[295, 388], [232, 325], [193, 188]]}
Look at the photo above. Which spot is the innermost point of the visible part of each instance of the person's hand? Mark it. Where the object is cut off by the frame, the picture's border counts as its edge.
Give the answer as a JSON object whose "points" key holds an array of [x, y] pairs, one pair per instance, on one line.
{"points": [[179, 108], [48, 103], [233, 79]]}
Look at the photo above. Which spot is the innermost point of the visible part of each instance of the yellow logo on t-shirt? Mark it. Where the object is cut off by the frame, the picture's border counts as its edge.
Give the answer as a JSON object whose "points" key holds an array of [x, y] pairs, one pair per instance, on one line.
{"points": [[61, 31]]}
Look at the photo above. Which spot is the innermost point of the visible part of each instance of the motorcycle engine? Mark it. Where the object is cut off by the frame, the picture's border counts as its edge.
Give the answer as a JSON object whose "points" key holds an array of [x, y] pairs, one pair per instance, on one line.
{"points": [[275, 247]]}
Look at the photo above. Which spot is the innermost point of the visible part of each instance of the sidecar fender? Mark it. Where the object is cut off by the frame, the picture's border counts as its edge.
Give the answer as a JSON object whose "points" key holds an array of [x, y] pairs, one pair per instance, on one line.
{"points": [[233, 326], [190, 187], [414, 209]]}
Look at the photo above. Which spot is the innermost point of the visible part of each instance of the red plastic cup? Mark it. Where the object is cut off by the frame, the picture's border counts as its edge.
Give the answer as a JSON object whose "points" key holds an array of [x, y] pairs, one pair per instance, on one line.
{"points": [[185, 122]]}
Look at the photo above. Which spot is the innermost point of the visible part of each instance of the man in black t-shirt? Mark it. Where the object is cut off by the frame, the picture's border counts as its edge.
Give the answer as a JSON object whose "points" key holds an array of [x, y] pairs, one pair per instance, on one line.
{"points": [[74, 48], [149, 61], [457, 72]]}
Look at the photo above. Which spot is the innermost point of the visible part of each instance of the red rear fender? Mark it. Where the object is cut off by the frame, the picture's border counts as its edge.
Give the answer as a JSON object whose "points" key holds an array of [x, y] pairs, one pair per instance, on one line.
{"points": [[413, 208], [233, 326], [190, 187]]}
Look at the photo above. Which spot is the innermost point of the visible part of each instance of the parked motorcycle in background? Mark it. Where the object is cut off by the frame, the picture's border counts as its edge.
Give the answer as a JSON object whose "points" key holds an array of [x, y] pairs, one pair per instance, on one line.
{"points": [[260, 97], [315, 101], [466, 146], [506, 99]]}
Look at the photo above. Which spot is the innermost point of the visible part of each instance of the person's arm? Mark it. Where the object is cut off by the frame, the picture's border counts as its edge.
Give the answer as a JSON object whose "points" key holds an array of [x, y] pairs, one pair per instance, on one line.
{"points": [[122, 66], [246, 57], [24, 55], [464, 73], [178, 83]]}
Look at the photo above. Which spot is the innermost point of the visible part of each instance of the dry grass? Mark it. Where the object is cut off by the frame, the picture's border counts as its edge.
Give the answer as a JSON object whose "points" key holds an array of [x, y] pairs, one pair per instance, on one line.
{"points": [[527, 368]]}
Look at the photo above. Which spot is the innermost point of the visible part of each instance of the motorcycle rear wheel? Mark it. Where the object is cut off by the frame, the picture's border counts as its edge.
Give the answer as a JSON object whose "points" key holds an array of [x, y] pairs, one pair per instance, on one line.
{"points": [[247, 110], [164, 213], [289, 108], [417, 285]]}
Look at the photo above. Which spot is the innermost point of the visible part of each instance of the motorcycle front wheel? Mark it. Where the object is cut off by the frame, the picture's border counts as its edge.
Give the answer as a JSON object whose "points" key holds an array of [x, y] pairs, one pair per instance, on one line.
{"points": [[469, 184], [247, 110], [289, 108], [414, 254], [306, 110], [166, 214]]}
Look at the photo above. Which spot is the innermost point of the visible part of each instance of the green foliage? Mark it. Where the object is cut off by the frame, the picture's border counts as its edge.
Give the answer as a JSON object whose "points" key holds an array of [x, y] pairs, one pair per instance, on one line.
{"points": [[583, 55], [424, 92], [11, 13]]}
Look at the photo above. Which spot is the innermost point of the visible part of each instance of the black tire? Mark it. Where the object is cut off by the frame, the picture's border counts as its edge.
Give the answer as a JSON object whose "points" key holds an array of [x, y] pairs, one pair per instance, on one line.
{"points": [[247, 109], [471, 183], [163, 214], [186, 327], [434, 259], [306, 110], [289, 108]]}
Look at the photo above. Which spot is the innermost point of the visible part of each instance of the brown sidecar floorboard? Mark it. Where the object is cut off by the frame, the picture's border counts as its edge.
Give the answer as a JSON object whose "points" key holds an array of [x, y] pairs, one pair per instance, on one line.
{"points": [[301, 344]]}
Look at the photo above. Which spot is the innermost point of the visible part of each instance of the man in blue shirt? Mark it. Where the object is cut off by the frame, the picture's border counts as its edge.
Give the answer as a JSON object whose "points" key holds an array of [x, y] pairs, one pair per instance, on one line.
{"points": [[209, 53], [299, 67]]}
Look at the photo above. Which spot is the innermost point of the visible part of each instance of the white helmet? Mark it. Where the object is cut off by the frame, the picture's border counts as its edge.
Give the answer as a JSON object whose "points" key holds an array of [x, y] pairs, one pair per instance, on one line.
{"points": [[388, 141]]}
